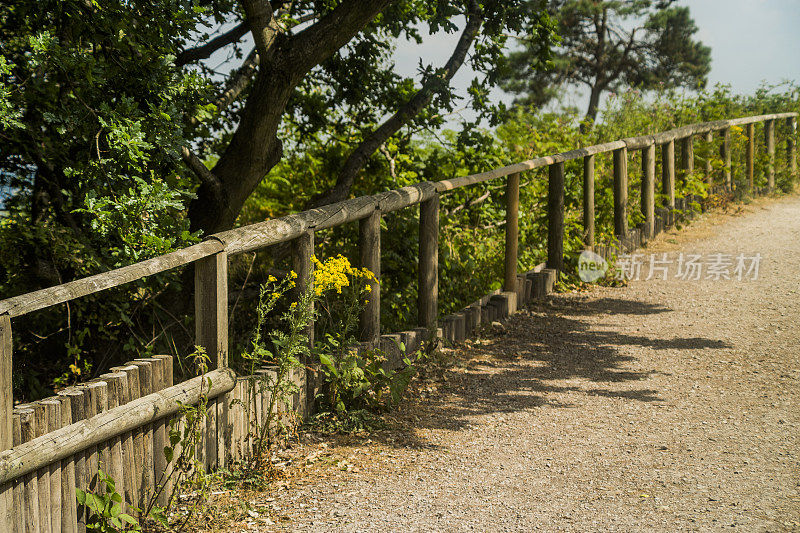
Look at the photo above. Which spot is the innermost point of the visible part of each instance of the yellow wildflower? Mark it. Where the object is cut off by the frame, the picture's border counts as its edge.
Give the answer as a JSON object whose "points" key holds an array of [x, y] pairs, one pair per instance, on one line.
{"points": [[75, 370]]}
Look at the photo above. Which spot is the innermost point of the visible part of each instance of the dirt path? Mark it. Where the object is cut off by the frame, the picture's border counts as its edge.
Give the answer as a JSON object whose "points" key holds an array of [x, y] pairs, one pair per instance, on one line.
{"points": [[663, 406]]}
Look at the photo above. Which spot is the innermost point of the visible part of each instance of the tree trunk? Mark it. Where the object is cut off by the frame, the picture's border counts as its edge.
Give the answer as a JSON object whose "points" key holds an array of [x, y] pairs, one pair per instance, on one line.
{"points": [[594, 102], [255, 148]]}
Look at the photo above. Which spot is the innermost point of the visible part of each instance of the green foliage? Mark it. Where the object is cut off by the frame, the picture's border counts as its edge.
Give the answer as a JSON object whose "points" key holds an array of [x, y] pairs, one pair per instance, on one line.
{"points": [[93, 115], [105, 508], [354, 379], [362, 381], [281, 353], [471, 227], [99, 102]]}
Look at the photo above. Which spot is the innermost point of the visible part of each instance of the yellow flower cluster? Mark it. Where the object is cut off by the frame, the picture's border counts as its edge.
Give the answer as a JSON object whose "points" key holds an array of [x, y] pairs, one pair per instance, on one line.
{"points": [[335, 274]]}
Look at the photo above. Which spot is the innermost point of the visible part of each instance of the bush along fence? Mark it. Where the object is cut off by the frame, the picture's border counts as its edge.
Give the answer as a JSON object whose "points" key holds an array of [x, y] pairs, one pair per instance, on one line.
{"points": [[121, 421]]}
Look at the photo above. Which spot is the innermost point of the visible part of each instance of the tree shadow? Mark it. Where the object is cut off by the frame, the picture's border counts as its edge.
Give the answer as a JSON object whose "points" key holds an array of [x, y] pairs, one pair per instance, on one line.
{"points": [[517, 367]]}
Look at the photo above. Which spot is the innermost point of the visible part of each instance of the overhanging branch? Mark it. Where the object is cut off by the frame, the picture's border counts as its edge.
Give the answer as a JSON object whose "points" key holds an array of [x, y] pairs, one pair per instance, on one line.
{"points": [[372, 142], [204, 52]]}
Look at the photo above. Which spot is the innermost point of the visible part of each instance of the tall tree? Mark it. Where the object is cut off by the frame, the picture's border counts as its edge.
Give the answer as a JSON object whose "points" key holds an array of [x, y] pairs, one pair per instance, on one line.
{"points": [[606, 44], [130, 128]]}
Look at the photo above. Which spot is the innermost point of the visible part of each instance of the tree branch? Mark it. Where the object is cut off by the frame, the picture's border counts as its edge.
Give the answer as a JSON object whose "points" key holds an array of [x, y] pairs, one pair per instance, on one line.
{"points": [[254, 147], [331, 32], [263, 26], [207, 177], [238, 81], [622, 60], [205, 51], [359, 157]]}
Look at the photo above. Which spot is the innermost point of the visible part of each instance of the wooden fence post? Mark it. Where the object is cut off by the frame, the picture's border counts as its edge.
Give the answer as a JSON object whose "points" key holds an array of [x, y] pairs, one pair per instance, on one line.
{"points": [[53, 409], [145, 483], [428, 267], [512, 232], [725, 153], [162, 379], [687, 158], [750, 154], [369, 245], [648, 189], [791, 145], [211, 332], [69, 504], [621, 192], [707, 167], [6, 415], [588, 202], [668, 174], [769, 141], [30, 506], [555, 217], [302, 251], [75, 397]]}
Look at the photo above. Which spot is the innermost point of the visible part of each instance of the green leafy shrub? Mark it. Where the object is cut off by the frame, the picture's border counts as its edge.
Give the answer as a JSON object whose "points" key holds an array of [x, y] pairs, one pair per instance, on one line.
{"points": [[104, 508]]}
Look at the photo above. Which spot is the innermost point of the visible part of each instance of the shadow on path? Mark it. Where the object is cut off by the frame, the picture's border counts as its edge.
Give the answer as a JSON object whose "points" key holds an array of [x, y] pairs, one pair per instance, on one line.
{"points": [[515, 367]]}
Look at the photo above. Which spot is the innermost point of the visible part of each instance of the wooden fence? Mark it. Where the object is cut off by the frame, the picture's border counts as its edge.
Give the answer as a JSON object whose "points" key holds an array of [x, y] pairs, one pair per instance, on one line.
{"points": [[119, 421]]}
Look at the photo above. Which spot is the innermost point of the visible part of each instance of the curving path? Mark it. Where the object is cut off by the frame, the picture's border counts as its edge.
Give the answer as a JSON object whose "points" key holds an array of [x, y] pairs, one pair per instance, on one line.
{"points": [[661, 406]]}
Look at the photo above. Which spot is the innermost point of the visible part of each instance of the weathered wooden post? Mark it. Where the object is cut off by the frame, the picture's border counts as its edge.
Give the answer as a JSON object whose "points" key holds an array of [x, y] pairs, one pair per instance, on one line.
{"points": [[302, 251], [145, 481], [725, 154], [588, 202], [668, 174], [95, 400], [69, 506], [555, 217], [791, 145], [6, 413], [707, 167], [769, 141], [117, 394], [75, 396], [43, 473], [162, 379], [369, 245], [211, 307], [211, 332], [428, 285], [750, 154], [512, 232], [648, 189], [621, 193], [30, 505], [53, 410], [687, 158]]}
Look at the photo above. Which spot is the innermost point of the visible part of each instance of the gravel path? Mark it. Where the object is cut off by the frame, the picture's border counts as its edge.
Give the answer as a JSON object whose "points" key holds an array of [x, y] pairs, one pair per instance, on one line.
{"points": [[661, 406]]}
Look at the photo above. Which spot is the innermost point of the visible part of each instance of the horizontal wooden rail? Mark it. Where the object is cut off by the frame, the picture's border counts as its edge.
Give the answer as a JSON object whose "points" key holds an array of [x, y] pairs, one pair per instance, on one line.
{"points": [[288, 228], [631, 143], [33, 301], [72, 439], [278, 230], [539, 162]]}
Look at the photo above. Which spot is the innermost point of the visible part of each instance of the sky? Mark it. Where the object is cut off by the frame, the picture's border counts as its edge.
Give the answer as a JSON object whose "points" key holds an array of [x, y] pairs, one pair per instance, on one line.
{"points": [[751, 41]]}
